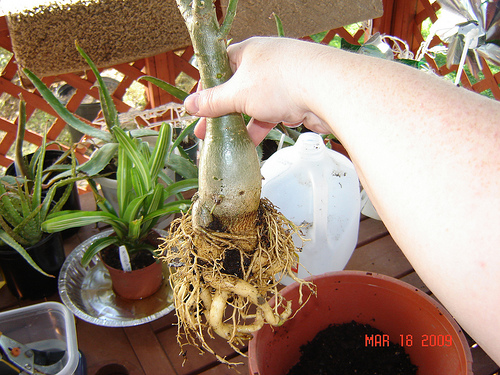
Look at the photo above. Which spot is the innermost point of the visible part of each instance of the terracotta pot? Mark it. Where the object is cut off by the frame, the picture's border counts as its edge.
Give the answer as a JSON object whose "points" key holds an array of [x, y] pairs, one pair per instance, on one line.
{"points": [[23, 280], [430, 336], [137, 284]]}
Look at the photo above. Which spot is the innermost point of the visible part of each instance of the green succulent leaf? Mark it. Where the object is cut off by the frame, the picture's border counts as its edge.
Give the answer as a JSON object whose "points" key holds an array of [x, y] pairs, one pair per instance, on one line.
{"points": [[99, 160], [107, 105], [279, 25], [16, 246], [182, 166], [172, 90], [63, 112], [188, 130]]}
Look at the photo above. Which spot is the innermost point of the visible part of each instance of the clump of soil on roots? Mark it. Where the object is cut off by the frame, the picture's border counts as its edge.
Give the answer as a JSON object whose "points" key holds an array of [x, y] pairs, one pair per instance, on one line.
{"points": [[219, 287]]}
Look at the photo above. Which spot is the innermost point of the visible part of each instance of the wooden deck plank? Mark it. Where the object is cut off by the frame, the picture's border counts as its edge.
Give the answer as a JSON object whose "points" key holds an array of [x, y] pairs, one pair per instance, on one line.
{"points": [[194, 359], [105, 346], [148, 349], [381, 256], [370, 230]]}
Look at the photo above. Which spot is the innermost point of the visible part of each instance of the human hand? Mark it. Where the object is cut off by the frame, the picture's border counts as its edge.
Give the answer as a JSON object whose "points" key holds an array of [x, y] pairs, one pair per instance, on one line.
{"points": [[268, 84]]}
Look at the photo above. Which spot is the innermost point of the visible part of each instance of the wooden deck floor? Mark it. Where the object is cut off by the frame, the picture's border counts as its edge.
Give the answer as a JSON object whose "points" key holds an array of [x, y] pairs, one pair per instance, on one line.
{"points": [[151, 349]]}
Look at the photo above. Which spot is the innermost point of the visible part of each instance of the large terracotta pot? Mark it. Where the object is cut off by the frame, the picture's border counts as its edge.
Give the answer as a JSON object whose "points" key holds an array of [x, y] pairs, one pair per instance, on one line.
{"points": [[388, 304]]}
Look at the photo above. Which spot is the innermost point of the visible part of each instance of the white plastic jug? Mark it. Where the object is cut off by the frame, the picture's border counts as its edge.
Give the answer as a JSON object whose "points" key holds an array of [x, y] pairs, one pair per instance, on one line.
{"points": [[317, 188]]}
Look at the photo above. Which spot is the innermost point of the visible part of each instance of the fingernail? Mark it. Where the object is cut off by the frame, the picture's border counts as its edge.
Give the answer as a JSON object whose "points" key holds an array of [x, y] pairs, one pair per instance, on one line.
{"points": [[191, 104]]}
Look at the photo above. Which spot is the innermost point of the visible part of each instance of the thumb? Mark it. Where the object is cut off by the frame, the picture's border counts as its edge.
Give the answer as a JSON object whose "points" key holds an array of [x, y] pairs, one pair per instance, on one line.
{"points": [[209, 103]]}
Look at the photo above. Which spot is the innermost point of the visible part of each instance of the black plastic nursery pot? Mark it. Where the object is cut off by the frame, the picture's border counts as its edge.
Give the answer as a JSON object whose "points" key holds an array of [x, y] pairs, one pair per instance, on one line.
{"points": [[405, 314], [22, 279]]}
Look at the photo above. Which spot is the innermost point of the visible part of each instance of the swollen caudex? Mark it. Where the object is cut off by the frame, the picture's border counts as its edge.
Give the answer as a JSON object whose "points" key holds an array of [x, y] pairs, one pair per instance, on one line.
{"points": [[223, 282]]}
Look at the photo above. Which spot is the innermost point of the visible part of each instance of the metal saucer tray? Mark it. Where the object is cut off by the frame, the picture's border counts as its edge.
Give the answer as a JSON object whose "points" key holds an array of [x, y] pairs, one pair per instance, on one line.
{"points": [[88, 293]]}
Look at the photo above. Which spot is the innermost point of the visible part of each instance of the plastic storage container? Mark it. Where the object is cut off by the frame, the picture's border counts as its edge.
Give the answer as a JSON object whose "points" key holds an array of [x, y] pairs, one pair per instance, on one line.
{"points": [[317, 188], [47, 326]]}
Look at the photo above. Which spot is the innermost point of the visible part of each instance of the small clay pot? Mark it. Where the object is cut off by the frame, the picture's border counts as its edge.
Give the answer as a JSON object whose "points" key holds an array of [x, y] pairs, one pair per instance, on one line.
{"points": [[430, 336], [136, 284]]}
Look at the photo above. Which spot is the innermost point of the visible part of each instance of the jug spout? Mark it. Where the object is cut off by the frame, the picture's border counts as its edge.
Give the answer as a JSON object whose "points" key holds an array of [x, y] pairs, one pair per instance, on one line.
{"points": [[310, 146]]}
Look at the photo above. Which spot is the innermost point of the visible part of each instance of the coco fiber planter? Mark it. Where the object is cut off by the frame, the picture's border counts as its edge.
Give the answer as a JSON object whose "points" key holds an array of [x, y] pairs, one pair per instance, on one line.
{"points": [[405, 314]]}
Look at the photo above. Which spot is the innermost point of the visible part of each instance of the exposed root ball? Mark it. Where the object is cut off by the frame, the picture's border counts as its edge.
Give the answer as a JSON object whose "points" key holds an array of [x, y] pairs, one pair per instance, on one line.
{"points": [[220, 287]]}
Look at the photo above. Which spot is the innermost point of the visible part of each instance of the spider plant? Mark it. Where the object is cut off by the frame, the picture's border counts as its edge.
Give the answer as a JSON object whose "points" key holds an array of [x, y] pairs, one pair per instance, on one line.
{"points": [[141, 196]]}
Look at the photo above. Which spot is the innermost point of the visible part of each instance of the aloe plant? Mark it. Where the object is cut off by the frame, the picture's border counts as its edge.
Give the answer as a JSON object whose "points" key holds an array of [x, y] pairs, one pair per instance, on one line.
{"points": [[140, 194], [23, 207], [105, 154]]}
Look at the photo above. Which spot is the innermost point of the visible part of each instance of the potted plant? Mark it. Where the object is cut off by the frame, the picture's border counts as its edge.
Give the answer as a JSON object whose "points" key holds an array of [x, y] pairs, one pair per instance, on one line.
{"points": [[103, 161], [141, 203], [29, 257]]}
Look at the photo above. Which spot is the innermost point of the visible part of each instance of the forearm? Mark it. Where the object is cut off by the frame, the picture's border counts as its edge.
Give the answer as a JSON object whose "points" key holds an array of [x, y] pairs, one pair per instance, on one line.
{"points": [[428, 154], [431, 166]]}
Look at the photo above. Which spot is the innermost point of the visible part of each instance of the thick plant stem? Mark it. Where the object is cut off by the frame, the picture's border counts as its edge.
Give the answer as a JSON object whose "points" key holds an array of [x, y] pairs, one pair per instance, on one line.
{"points": [[229, 173]]}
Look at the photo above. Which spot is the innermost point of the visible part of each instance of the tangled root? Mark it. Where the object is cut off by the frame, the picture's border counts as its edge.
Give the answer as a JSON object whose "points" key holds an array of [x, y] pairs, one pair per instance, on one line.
{"points": [[219, 287]]}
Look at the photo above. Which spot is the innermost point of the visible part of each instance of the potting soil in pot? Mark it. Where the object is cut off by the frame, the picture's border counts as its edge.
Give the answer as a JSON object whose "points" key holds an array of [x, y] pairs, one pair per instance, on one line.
{"points": [[352, 348]]}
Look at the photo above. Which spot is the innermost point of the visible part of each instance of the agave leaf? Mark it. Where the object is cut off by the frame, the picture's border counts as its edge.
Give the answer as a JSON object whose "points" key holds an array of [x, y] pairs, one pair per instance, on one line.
{"points": [[21, 167], [172, 90], [275, 135], [279, 25], [185, 132], [37, 188], [16, 246], [7, 209], [99, 159], [164, 177], [182, 166], [29, 229], [107, 105], [63, 112], [8, 229], [95, 247]]}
